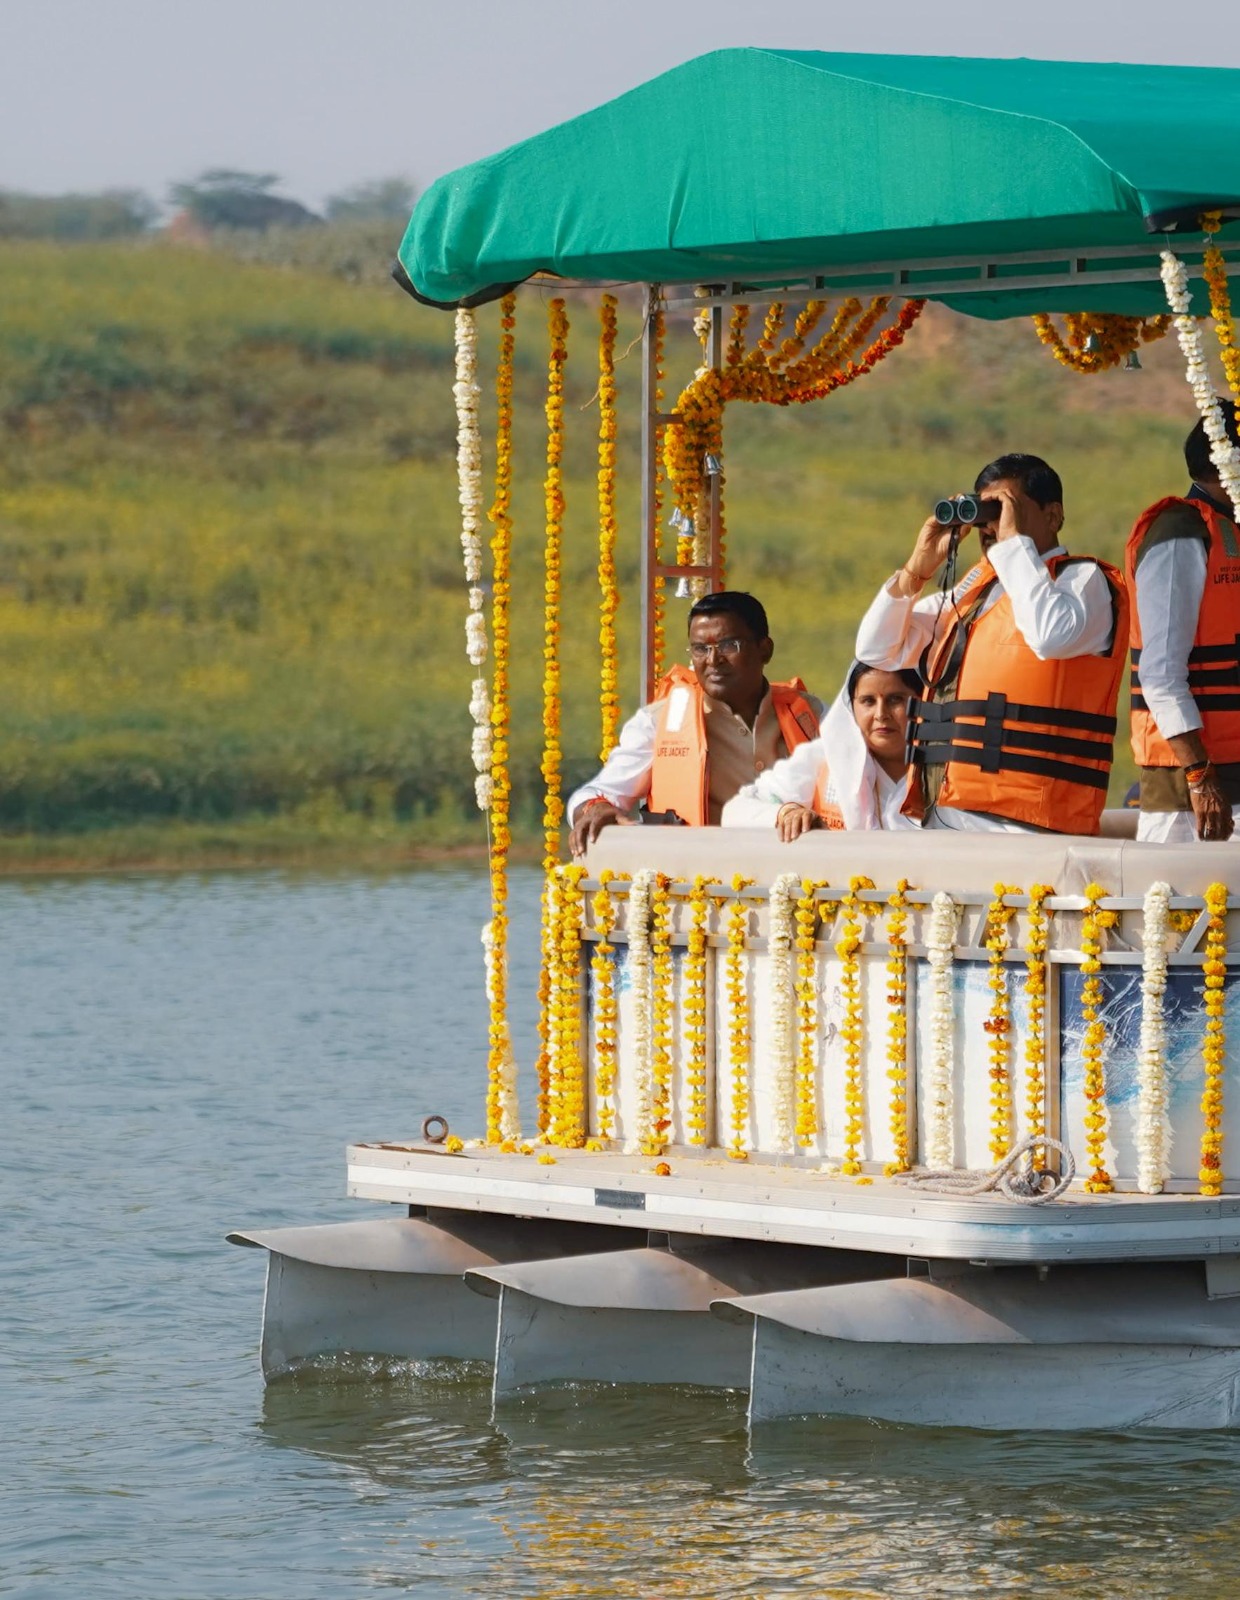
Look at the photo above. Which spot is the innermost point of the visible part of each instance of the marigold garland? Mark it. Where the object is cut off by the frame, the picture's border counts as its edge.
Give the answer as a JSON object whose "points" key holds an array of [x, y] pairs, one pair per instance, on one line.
{"points": [[641, 975], [852, 1029], [1153, 1132], [758, 378], [806, 916], [695, 1009], [1215, 271], [656, 1134], [503, 1112], [736, 334], [1096, 340], [941, 1066], [609, 589], [553, 805], [739, 1036], [1094, 925], [1037, 939], [606, 1012], [1214, 1041], [782, 1056], [658, 593], [568, 1079], [1223, 454], [897, 1027], [999, 1023]]}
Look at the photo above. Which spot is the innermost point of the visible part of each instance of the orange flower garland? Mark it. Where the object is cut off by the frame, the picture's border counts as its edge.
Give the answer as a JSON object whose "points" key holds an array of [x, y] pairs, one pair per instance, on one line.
{"points": [[1036, 941], [609, 591], [897, 1027], [1096, 341], [999, 1023], [1093, 928], [848, 948], [606, 1013], [658, 596], [736, 334], [656, 1140], [1215, 271], [1214, 1041], [806, 984], [503, 1120], [566, 1091], [553, 806], [739, 1040], [695, 1009]]}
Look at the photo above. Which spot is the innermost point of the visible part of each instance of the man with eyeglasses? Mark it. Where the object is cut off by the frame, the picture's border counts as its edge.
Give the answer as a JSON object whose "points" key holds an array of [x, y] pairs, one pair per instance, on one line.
{"points": [[712, 727]]}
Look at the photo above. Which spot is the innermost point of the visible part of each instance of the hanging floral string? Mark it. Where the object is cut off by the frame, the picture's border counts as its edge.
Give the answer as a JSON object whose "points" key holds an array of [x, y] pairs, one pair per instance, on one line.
{"points": [[806, 915], [695, 1009], [658, 595], [1224, 454], [1153, 1135], [1214, 269], [781, 933], [897, 1027], [641, 975], [1093, 929], [566, 1091], [999, 1023], [503, 1114], [553, 805], [659, 1127], [609, 588], [739, 1036], [940, 957], [852, 1029], [736, 334], [1214, 1041], [1036, 942], [469, 488], [606, 1012], [1097, 341]]}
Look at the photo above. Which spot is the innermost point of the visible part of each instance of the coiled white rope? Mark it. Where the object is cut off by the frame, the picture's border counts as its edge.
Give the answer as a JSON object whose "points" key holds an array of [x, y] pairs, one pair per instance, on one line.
{"points": [[1032, 1187]]}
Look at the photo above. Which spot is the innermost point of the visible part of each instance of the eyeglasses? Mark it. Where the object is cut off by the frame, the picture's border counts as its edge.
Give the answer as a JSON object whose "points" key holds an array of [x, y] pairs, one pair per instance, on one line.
{"points": [[725, 647]]}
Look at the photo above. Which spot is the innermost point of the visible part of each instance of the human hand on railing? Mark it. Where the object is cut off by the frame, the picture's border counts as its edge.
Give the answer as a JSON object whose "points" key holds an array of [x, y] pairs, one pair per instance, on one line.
{"points": [[592, 817], [792, 820], [1211, 809]]}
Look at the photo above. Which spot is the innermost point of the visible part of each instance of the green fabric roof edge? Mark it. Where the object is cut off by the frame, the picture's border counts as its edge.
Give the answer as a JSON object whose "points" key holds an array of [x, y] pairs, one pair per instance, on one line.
{"points": [[759, 162]]}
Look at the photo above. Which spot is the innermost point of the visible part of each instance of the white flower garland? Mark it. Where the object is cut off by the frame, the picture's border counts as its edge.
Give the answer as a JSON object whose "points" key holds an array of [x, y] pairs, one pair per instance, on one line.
{"points": [[1153, 1122], [469, 484], [641, 974], [1224, 454], [940, 954], [781, 931], [509, 1114]]}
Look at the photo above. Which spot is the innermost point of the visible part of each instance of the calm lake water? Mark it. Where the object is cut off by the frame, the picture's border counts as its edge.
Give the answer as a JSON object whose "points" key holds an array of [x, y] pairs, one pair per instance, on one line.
{"points": [[184, 1055]]}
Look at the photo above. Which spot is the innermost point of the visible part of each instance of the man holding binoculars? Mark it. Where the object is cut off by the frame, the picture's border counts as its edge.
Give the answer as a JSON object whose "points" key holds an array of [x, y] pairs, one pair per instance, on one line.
{"points": [[1022, 661]]}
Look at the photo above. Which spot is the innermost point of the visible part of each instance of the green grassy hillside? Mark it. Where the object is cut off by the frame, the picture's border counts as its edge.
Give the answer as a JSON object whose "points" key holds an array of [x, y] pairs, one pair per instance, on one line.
{"points": [[230, 593]]}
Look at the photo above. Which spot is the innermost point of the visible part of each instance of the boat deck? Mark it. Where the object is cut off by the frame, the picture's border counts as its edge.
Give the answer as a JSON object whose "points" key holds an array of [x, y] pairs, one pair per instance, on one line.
{"points": [[709, 1195]]}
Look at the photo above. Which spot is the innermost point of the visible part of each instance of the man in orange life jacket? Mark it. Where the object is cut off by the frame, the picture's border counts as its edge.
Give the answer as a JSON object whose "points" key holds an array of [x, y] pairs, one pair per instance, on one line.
{"points": [[1183, 563], [708, 730], [1022, 662]]}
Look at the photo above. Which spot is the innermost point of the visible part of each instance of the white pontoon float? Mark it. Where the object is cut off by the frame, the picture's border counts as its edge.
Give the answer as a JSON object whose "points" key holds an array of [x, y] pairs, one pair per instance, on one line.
{"points": [[935, 1128]]}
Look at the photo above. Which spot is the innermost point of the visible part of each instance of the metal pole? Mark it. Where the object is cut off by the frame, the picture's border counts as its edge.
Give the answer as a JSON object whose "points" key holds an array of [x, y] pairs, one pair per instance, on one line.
{"points": [[649, 502]]}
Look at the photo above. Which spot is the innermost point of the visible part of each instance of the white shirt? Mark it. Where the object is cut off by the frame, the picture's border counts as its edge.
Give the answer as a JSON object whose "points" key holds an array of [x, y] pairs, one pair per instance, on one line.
{"points": [[1171, 581], [1059, 618], [794, 780]]}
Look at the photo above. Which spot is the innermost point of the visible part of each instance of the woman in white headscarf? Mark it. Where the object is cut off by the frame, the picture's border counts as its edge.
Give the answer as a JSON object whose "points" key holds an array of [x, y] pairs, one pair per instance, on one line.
{"points": [[853, 775]]}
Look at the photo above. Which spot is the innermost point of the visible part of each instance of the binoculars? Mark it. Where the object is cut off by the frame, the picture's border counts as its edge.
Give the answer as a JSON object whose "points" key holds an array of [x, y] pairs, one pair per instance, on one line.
{"points": [[963, 510]]}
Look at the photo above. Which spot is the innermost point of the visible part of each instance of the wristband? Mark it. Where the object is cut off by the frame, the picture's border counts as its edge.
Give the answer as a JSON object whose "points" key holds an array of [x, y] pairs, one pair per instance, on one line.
{"points": [[594, 800], [1198, 773]]}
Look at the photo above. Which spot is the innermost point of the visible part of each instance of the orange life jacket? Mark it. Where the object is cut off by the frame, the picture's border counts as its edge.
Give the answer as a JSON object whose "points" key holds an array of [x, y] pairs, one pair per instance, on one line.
{"points": [[1024, 739], [824, 804], [679, 779], [1214, 660]]}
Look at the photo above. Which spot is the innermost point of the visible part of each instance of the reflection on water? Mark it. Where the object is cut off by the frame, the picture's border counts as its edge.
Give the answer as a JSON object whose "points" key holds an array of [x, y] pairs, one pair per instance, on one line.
{"points": [[183, 1056]]}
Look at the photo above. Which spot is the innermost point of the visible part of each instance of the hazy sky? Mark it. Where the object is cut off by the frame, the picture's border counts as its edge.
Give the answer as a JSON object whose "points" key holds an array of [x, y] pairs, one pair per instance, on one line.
{"points": [[98, 93]]}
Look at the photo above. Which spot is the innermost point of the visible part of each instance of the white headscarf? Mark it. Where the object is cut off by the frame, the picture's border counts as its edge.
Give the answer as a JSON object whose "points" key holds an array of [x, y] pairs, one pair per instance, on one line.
{"points": [[852, 772]]}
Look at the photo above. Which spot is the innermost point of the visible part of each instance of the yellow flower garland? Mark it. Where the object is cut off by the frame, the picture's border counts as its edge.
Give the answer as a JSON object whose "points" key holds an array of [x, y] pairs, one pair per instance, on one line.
{"points": [[1215, 271], [695, 1009], [655, 1140], [999, 1023], [658, 596], [606, 1013], [897, 1027], [739, 1038], [553, 806], [806, 984], [1214, 1041], [848, 948], [609, 590], [736, 334], [1094, 924], [567, 1078], [1036, 942], [1113, 338], [503, 1122]]}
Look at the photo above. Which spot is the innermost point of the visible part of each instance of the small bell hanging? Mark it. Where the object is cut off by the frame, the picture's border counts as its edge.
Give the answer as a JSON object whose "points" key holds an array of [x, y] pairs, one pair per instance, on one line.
{"points": [[1132, 362], [1093, 345]]}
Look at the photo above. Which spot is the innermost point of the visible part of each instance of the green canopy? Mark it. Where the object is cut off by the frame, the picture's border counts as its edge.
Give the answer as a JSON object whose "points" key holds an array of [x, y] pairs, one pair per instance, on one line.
{"points": [[768, 162]]}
